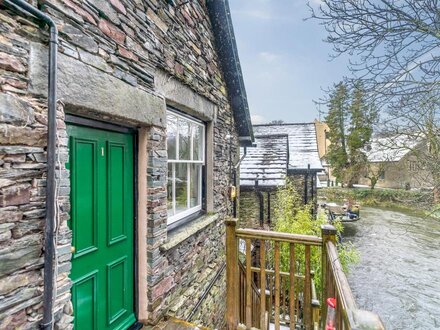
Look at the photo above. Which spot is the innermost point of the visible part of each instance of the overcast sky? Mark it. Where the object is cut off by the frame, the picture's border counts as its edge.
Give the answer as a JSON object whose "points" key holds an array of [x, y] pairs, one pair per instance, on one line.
{"points": [[284, 59]]}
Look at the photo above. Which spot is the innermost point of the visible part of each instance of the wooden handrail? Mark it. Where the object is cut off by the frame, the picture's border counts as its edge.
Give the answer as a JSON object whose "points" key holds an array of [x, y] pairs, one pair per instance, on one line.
{"points": [[289, 294], [335, 284], [278, 237], [347, 298], [255, 299], [346, 301]]}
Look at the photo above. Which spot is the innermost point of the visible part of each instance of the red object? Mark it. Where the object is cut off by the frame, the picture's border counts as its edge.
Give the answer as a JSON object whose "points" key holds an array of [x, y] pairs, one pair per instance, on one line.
{"points": [[330, 323], [331, 302]]}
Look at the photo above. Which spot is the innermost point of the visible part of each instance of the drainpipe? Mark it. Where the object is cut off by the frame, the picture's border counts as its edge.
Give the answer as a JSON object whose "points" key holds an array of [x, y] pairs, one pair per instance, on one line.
{"points": [[49, 248], [236, 168], [268, 207], [306, 179]]}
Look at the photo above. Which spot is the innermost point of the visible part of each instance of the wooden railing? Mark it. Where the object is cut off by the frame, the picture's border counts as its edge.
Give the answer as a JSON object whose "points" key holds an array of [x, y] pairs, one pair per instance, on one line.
{"points": [[260, 292], [335, 284], [255, 298]]}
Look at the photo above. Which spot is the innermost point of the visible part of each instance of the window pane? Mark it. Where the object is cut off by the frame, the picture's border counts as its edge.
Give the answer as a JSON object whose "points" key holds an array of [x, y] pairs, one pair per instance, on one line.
{"points": [[195, 185], [181, 187], [170, 190], [197, 144], [171, 136], [184, 139]]}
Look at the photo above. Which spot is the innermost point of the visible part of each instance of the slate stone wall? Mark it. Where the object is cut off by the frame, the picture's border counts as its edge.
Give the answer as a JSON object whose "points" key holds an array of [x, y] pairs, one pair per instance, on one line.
{"points": [[250, 208], [213, 308], [250, 204], [191, 267], [128, 40], [299, 181]]}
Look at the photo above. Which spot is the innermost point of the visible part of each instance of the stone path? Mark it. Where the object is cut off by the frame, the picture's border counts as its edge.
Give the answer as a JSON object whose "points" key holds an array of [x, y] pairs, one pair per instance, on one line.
{"points": [[175, 324]]}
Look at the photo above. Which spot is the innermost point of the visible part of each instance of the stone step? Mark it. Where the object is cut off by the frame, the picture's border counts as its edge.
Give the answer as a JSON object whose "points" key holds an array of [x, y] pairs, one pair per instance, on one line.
{"points": [[175, 324]]}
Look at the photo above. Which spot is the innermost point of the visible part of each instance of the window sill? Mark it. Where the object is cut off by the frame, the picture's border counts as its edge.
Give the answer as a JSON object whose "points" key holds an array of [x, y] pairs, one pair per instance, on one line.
{"points": [[180, 234]]}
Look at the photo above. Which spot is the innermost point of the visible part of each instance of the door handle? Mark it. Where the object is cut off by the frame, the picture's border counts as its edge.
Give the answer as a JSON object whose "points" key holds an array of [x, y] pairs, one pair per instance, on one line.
{"points": [[72, 249]]}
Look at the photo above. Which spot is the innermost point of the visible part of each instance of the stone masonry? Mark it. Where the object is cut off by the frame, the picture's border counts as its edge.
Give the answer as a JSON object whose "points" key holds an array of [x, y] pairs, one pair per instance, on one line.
{"points": [[250, 204], [122, 43], [250, 208]]}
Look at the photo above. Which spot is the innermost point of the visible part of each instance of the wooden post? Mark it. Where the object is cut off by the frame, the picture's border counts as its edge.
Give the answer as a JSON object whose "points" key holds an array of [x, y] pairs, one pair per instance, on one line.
{"points": [[307, 291], [277, 285], [263, 285], [232, 279], [328, 233], [292, 286], [248, 285]]}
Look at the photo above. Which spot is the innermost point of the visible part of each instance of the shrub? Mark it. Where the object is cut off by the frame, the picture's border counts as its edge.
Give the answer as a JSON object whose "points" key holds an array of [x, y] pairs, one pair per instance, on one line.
{"points": [[292, 217]]}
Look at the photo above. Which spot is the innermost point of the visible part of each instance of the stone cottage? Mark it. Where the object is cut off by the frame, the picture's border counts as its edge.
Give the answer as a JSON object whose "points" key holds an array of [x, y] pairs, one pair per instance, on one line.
{"points": [[124, 204], [393, 162], [280, 151]]}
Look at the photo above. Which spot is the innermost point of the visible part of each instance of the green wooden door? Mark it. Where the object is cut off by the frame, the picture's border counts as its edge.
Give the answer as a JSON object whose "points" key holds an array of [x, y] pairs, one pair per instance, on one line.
{"points": [[102, 222]]}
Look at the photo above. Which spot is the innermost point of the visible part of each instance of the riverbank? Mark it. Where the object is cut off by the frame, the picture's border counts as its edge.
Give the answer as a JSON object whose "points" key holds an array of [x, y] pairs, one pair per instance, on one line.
{"points": [[420, 202]]}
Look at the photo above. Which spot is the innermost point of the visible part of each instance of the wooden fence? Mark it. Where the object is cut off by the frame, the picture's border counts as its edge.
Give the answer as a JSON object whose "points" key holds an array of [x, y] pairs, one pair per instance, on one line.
{"points": [[260, 292]]}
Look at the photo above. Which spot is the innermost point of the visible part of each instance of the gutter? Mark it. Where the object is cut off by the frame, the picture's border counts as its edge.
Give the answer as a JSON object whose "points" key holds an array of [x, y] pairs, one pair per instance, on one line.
{"points": [[49, 244]]}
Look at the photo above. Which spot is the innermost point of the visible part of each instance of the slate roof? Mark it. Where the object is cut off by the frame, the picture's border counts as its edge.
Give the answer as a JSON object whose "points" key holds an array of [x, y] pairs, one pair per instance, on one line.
{"points": [[279, 149], [390, 149], [303, 147], [266, 162]]}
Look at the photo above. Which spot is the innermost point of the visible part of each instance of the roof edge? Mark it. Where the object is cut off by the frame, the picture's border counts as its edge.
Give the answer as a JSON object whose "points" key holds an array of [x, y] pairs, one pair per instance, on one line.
{"points": [[266, 136], [285, 124], [296, 170], [221, 21]]}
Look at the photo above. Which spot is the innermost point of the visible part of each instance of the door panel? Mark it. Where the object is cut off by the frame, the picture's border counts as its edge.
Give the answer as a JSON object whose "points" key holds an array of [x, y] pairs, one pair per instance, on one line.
{"points": [[85, 185], [117, 282], [84, 294], [116, 193], [102, 222]]}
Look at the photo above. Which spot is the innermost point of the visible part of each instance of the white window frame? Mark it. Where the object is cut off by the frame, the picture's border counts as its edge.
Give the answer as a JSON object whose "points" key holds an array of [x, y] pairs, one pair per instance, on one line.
{"points": [[190, 210]]}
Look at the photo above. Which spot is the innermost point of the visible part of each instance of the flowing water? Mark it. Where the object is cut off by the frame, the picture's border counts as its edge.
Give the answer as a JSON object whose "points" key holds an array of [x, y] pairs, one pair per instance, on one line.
{"points": [[398, 276]]}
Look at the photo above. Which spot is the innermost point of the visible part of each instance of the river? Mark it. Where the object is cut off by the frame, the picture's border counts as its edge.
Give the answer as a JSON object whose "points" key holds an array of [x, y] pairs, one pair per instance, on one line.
{"points": [[398, 276]]}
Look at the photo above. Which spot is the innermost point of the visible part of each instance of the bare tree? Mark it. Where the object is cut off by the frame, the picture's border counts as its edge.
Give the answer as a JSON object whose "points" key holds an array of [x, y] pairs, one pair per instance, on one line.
{"points": [[395, 44], [395, 51]]}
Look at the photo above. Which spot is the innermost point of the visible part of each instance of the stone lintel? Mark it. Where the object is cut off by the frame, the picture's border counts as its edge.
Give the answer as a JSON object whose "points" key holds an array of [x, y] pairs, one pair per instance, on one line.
{"points": [[183, 97], [85, 89]]}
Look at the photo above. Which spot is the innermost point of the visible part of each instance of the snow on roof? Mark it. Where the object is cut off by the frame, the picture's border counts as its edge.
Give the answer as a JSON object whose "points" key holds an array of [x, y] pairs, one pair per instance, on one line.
{"points": [[266, 162], [303, 147], [390, 149]]}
